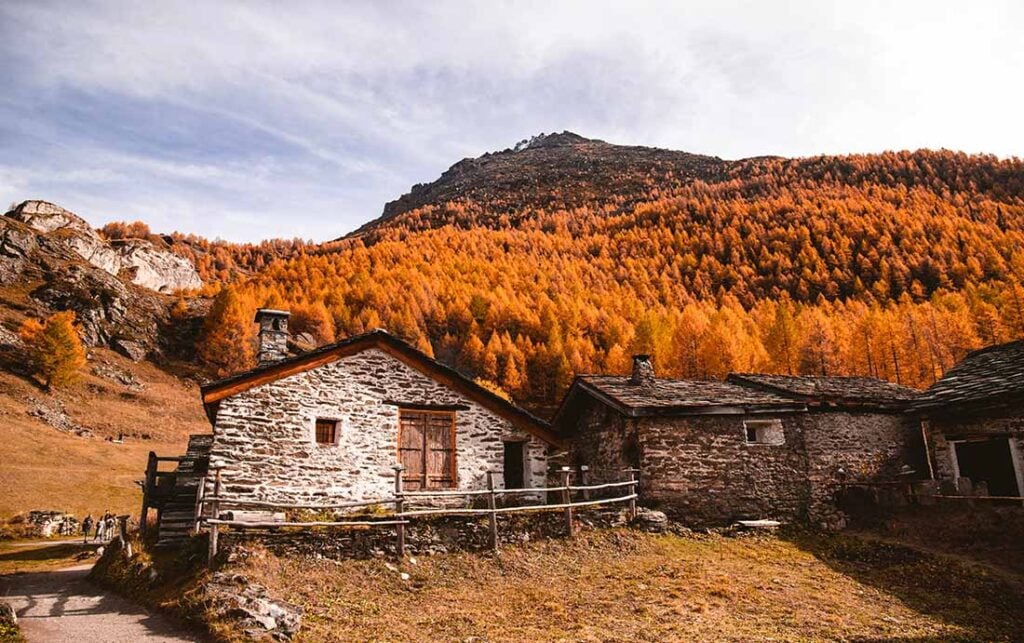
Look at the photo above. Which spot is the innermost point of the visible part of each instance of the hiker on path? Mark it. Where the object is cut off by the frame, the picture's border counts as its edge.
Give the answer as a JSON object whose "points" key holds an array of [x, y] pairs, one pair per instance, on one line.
{"points": [[110, 526], [86, 526], [99, 530]]}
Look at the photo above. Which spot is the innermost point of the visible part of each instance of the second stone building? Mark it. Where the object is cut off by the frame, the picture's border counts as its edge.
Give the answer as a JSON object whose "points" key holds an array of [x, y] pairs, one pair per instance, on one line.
{"points": [[753, 447]]}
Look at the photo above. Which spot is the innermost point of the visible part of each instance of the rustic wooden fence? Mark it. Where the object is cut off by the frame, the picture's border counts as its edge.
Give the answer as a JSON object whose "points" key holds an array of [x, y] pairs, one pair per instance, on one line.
{"points": [[399, 517]]}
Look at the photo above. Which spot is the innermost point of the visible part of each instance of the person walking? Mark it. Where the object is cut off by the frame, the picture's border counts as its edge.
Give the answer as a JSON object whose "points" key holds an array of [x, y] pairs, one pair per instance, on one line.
{"points": [[111, 526], [86, 527], [99, 530]]}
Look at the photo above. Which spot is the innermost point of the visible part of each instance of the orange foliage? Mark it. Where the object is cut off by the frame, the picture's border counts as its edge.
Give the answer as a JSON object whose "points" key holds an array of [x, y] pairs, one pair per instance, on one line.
{"points": [[890, 265]]}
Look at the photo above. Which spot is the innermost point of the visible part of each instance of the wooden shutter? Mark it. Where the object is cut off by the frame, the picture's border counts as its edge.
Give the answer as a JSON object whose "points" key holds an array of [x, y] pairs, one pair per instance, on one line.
{"points": [[326, 431], [426, 448]]}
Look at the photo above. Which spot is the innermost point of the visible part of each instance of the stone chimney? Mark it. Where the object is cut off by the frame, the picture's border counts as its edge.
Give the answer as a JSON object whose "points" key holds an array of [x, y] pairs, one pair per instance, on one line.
{"points": [[643, 371], [273, 335]]}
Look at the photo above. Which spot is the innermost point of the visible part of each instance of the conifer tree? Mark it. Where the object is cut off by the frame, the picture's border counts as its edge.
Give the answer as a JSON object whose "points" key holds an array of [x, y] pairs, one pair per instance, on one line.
{"points": [[55, 348], [228, 341]]}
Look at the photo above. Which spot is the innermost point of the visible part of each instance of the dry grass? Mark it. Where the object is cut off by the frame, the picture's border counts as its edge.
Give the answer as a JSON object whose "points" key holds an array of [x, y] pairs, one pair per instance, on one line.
{"points": [[620, 585], [18, 557], [44, 468]]}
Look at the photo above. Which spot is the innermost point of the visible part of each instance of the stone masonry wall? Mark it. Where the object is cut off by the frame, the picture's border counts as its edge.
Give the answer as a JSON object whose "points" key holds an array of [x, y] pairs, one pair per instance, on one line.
{"points": [[606, 442], [942, 428], [867, 446], [701, 469], [266, 435]]}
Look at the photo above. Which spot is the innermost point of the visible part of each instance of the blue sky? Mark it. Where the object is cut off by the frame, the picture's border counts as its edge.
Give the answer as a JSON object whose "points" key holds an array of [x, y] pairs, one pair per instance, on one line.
{"points": [[251, 120]]}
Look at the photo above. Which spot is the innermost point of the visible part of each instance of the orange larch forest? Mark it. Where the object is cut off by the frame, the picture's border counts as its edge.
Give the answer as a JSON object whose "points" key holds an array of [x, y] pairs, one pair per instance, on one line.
{"points": [[892, 265]]}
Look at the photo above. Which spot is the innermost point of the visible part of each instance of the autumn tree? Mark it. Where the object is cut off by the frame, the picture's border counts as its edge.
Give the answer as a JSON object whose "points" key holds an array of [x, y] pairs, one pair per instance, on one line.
{"points": [[55, 349], [228, 341]]}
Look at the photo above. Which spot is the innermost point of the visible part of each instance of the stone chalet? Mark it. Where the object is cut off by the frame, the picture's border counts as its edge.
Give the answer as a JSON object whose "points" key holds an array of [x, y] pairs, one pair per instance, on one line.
{"points": [[755, 446], [974, 420], [334, 421]]}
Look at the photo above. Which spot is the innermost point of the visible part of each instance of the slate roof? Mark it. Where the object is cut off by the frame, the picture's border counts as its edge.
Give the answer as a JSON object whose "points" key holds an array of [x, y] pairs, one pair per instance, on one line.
{"points": [[681, 397], [832, 391], [987, 376]]}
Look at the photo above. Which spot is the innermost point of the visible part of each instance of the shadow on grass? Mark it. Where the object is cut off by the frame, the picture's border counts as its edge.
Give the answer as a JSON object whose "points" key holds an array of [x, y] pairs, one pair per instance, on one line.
{"points": [[985, 605], [55, 551]]}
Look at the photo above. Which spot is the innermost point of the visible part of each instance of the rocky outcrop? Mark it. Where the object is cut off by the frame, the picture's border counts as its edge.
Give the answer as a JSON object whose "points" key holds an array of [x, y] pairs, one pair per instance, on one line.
{"points": [[155, 268], [110, 313], [139, 261]]}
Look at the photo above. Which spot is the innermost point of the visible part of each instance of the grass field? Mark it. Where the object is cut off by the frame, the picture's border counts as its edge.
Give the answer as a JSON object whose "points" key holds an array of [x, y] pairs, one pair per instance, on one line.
{"points": [[43, 468], [18, 557], [627, 586]]}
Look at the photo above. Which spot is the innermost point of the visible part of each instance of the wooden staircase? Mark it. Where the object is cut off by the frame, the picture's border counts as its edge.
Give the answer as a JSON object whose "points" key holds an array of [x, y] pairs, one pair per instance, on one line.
{"points": [[175, 494]]}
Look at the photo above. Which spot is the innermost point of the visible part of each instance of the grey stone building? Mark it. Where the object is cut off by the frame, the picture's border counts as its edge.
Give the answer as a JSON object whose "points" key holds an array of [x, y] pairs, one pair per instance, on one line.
{"points": [[974, 421], [751, 447], [333, 422]]}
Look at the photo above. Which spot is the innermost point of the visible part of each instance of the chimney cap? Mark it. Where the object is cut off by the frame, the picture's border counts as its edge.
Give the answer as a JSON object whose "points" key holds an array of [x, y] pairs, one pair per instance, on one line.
{"points": [[271, 312]]}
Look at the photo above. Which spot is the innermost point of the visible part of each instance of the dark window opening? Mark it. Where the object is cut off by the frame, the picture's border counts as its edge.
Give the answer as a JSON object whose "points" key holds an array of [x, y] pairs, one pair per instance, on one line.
{"points": [[751, 433], [988, 461], [426, 448], [514, 465], [326, 431]]}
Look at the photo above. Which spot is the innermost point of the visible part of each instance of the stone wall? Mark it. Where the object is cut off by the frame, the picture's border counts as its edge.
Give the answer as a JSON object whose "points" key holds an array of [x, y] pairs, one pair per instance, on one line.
{"points": [[606, 442], [266, 434], [866, 446], [942, 428], [701, 469]]}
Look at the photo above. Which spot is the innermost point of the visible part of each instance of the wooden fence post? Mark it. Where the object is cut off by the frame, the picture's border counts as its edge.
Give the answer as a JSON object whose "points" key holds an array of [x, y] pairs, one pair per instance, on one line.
{"points": [[567, 500], [492, 505], [214, 512], [585, 480], [632, 492], [399, 511], [147, 486], [122, 535]]}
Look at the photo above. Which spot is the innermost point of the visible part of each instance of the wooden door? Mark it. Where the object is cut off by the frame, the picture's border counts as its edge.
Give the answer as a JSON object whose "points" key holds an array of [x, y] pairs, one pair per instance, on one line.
{"points": [[426, 448]]}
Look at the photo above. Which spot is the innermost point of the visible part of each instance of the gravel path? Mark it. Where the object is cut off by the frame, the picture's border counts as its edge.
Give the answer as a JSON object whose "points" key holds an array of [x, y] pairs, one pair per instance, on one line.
{"points": [[63, 606]]}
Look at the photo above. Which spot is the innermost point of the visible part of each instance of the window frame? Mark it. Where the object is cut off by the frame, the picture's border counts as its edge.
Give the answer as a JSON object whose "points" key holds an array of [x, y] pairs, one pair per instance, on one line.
{"points": [[453, 466], [335, 431], [758, 425]]}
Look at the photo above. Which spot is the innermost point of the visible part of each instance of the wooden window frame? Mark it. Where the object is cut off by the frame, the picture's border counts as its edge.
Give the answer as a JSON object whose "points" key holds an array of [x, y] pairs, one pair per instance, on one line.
{"points": [[334, 431], [453, 467]]}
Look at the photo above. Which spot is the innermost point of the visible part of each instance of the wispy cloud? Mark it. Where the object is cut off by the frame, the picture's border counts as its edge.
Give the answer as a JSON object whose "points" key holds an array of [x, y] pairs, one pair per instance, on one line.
{"points": [[252, 119]]}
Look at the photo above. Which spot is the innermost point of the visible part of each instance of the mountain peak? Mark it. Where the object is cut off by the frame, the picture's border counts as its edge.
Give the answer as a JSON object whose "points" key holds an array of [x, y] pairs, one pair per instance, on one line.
{"points": [[553, 139]]}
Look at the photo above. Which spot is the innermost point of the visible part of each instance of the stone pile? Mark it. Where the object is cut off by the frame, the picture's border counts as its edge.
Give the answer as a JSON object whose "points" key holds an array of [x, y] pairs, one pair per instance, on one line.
{"points": [[258, 615]]}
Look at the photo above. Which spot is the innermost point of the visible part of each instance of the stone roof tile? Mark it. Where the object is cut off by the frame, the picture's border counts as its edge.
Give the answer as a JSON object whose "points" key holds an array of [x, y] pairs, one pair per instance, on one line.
{"points": [[984, 376]]}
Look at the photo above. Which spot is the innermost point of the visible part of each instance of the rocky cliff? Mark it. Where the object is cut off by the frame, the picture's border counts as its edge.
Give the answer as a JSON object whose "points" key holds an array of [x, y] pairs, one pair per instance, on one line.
{"points": [[51, 260], [140, 261]]}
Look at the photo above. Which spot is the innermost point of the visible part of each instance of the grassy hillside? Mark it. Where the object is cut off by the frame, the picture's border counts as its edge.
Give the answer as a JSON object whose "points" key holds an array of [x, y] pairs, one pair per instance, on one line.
{"points": [[46, 468]]}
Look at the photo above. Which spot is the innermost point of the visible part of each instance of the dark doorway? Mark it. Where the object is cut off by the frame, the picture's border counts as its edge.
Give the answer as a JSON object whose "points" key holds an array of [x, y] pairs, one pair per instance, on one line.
{"points": [[991, 461], [514, 462]]}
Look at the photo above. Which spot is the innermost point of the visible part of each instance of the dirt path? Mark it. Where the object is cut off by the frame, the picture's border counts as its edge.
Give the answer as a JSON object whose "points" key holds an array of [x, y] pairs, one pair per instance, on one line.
{"points": [[62, 606]]}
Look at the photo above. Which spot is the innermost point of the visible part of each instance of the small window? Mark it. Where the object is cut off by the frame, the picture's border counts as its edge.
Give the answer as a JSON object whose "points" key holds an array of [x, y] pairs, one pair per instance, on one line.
{"points": [[326, 431], [764, 432]]}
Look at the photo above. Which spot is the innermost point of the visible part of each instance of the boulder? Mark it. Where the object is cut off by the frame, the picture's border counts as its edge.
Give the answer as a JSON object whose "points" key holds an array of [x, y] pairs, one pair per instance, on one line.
{"points": [[650, 520], [133, 350]]}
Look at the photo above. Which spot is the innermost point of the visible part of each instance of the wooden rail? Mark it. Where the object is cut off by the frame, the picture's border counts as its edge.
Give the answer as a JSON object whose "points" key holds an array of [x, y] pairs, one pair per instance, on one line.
{"points": [[399, 517]]}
